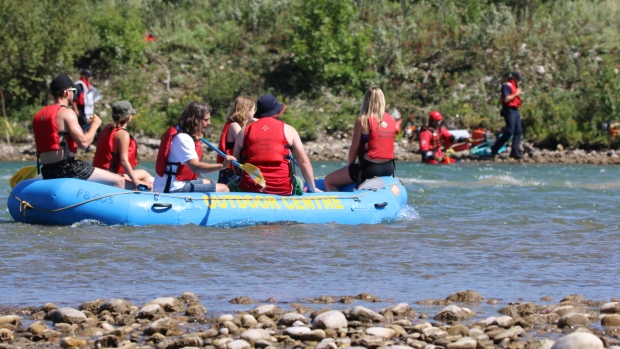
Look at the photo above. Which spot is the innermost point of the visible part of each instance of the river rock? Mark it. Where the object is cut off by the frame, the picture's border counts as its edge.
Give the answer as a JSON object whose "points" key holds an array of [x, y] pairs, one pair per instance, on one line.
{"points": [[196, 310], [238, 344], [313, 336], [296, 332], [330, 319], [366, 315], [72, 342], [454, 313], [611, 308], [269, 310], [465, 296], [254, 335], [169, 304], [511, 333], [150, 311], [578, 340], [162, 326], [10, 322], [67, 315], [611, 320], [381, 332], [434, 333], [400, 309], [463, 343], [573, 319], [189, 298], [38, 327], [92, 306], [502, 321], [6, 335], [117, 306], [248, 321], [289, 318], [327, 343], [186, 341]]}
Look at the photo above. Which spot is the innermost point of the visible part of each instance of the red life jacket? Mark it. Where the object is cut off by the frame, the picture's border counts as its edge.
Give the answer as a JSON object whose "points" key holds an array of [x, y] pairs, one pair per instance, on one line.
{"points": [[266, 147], [515, 102], [46, 134], [105, 156], [164, 167], [381, 137], [222, 145]]}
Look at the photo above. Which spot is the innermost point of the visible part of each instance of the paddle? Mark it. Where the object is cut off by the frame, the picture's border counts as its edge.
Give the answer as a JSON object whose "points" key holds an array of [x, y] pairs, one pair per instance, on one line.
{"points": [[23, 174], [250, 169]]}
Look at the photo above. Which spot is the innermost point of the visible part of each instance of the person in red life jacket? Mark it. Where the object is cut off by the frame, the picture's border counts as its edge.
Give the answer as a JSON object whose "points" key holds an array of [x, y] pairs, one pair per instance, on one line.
{"points": [[238, 116], [267, 143], [180, 152], [85, 97], [57, 134], [117, 150], [372, 143], [511, 101], [431, 139]]}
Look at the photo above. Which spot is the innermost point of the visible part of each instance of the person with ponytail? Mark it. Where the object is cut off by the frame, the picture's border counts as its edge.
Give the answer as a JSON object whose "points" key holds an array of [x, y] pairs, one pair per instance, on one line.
{"points": [[372, 144], [238, 116], [117, 150]]}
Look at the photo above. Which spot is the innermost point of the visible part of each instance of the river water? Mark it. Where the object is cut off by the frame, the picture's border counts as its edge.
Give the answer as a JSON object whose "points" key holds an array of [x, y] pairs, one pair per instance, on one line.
{"points": [[508, 231]]}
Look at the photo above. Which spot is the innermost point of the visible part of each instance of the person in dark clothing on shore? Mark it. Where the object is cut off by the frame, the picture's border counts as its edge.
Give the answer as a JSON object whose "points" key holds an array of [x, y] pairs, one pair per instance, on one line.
{"points": [[511, 101]]}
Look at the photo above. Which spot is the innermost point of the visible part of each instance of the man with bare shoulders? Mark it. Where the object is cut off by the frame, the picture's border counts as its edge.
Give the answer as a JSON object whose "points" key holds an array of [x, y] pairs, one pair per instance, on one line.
{"points": [[57, 134], [268, 143]]}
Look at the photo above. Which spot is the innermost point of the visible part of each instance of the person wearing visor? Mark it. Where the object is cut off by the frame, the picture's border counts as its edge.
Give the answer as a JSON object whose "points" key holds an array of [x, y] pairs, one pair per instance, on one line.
{"points": [[511, 102], [267, 143], [117, 150], [431, 139], [57, 134]]}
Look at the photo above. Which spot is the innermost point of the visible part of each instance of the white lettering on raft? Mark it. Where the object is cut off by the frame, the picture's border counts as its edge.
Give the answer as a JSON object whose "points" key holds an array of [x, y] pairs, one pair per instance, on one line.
{"points": [[273, 203]]}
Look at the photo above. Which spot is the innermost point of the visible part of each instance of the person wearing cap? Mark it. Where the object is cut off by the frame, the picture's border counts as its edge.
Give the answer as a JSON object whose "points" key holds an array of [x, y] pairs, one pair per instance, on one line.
{"points": [[267, 143], [238, 116], [511, 102], [431, 139], [58, 134], [180, 153], [372, 143], [117, 150], [84, 99]]}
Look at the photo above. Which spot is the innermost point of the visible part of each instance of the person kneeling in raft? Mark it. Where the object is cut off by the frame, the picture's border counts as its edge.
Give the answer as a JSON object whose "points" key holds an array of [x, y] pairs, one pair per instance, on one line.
{"points": [[432, 137]]}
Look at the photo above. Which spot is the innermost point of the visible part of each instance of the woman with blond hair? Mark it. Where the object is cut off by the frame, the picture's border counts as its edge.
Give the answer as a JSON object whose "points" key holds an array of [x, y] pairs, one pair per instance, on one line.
{"points": [[238, 116], [373, 143]]}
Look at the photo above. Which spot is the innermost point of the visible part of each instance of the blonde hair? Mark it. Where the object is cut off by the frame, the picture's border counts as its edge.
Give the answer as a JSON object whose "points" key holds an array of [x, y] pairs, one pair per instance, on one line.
{"points": [[373, 106], [240, 110]]}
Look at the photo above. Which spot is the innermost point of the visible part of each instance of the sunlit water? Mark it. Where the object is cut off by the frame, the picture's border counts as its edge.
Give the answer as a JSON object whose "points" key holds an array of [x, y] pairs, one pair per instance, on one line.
{"points": [[509, 232]]}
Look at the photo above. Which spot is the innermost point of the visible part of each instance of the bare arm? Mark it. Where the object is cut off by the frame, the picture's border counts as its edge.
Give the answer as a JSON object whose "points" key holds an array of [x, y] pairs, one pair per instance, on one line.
{"points": [[300, 155], [121, 142], [355, 141], [238, 146], [200, 167], [72, 126], [233, 132]]}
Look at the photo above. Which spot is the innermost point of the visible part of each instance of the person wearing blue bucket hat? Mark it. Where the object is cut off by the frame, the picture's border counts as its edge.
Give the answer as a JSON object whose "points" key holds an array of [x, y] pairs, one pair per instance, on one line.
{"points": [[272, 146], [511, 102]]}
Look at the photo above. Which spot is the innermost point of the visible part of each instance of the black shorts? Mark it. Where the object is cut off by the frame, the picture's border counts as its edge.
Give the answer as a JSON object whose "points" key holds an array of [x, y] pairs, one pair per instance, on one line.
{"points": [[70, 168], [371, 169]]}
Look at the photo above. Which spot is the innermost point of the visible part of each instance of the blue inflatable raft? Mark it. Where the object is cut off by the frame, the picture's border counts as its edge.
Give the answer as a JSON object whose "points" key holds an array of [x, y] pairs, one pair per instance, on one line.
{"points": [[68, 201]]}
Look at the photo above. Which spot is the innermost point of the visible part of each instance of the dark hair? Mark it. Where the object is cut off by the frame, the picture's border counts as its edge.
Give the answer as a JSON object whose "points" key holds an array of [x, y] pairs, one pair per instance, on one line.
{"points": [[192, 115]]}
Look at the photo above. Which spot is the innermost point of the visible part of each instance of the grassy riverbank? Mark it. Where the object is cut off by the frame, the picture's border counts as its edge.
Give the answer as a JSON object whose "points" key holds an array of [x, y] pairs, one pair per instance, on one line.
{"points": [[319, 56]]}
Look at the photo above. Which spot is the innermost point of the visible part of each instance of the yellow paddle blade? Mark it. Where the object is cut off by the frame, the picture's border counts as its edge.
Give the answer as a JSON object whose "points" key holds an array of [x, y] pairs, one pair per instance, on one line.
{"points": [[254, 173], [23, 174]]}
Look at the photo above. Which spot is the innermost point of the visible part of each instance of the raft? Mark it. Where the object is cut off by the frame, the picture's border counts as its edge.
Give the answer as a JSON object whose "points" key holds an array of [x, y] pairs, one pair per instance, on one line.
{"points": [[69, 201]]}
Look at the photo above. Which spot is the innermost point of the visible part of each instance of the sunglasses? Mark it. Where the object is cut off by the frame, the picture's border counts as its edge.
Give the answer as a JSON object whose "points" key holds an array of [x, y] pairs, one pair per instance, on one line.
{"points": [[74, 90]]}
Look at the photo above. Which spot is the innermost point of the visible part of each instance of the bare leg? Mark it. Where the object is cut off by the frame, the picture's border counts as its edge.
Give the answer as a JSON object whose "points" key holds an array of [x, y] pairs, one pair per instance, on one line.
{"points": [[219, 187], [107, 178], [337, 178]]}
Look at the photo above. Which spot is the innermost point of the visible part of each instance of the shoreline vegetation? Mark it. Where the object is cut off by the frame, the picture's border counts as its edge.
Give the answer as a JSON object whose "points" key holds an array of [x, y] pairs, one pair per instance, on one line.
{"points": [[457, 322], [319, 56]]}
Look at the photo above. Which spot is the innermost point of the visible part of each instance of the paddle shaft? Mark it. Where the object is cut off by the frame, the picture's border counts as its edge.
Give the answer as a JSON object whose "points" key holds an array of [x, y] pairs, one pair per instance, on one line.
{"points": [[217, 150]]}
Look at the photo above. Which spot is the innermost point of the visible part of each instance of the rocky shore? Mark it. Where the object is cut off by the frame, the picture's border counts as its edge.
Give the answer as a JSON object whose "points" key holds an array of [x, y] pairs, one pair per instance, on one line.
{"points": [[330, 148], [183, 322]]}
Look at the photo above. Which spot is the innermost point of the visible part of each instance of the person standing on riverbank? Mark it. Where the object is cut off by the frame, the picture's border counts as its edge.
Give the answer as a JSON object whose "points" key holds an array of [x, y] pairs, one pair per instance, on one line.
{"points": [[238, 116], [84, 99], [374, 133], [267, 143], [511, 102], [117, 150], [180, 153], [58, 134]]}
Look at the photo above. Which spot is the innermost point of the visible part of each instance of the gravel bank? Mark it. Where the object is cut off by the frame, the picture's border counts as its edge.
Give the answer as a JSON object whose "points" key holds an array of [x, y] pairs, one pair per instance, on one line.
{"points": [[333, 148], [183, 322]]}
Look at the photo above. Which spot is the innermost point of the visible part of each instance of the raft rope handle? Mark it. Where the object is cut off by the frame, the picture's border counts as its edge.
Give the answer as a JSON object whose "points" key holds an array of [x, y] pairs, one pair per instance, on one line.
{"points": [[25, 205]]}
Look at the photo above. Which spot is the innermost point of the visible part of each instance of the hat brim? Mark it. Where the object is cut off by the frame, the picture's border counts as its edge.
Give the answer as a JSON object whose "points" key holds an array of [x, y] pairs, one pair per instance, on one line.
{"points": [[274, 113]]}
